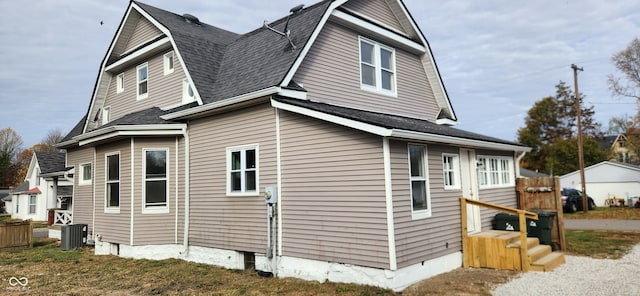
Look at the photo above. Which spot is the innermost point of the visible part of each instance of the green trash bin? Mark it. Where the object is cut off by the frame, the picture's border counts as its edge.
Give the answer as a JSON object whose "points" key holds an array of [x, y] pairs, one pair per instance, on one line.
{"points": [[545, 225], [503, 221]]}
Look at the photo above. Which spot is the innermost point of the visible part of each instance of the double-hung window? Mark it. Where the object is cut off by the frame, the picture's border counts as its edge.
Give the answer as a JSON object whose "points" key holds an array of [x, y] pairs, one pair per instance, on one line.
{"points": [[377, 67], [156, 185], [420, 199], [495, 171], [242, 170], [451, 170], [33, 200], [85, 174], [143, 80], [112, 182]]}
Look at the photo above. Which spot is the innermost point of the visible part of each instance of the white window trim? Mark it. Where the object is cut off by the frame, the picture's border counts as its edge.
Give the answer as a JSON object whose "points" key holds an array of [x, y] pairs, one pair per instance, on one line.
{"points": [[420, 214], [490, 181], [185, 92], [228, 170], [120, 83], [81, 180], [455, 158], [106, 114], [35, 205], [154, 210], [145, 95], [165, 62], [378, 68], [107, 209]]}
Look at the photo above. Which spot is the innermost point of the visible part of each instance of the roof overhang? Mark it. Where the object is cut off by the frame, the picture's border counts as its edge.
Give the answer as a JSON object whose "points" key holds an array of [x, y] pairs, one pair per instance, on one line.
{"points": [[398, 133], [211, 108], [112, 132], [140, 53]]}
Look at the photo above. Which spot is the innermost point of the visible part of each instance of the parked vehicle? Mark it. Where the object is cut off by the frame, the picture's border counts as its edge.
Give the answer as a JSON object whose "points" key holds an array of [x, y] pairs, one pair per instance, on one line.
{"points": [[572, 200]]}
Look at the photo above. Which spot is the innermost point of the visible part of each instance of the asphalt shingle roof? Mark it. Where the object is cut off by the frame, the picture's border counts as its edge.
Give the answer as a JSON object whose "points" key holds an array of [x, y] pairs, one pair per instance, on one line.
{"points": [[76, 130], [393, 121], [147, 116], [223, 64], [51, 162]]}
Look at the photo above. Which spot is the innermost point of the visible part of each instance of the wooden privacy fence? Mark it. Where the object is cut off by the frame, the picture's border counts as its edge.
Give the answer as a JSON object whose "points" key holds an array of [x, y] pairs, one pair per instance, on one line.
{"points": [[16, 234], [543, 194]]}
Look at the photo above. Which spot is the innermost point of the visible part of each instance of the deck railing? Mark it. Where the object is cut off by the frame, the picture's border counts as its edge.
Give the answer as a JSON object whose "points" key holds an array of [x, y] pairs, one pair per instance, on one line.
{"points": [[522, 215], [63, 217]]}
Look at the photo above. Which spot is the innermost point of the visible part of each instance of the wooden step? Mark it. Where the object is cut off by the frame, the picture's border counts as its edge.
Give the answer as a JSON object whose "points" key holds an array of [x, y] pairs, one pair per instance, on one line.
{"points": [[548, 262], [538, 252], [531, 242]]}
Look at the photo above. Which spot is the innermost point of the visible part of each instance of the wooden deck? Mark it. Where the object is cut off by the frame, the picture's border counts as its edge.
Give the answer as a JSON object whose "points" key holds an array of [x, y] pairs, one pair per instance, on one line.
{"points": [[502, 250]]}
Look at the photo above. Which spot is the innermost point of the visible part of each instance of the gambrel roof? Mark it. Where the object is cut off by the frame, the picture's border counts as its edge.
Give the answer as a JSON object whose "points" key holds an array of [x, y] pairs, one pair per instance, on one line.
{"points": [[225, 67]]}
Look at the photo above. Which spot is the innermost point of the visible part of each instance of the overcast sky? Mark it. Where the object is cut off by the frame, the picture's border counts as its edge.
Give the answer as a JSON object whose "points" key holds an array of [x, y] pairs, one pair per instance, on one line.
{"points": [[496, 58]]}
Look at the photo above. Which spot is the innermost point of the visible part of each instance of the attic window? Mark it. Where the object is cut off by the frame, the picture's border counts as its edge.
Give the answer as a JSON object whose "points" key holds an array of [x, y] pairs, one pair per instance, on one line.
{"points": [[377, 67], [188, 95], [168, 63]]}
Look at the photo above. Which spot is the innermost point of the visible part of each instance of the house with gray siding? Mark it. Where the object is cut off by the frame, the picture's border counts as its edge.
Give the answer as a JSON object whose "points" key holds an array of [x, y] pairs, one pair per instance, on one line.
{"points": [[319, 146]]}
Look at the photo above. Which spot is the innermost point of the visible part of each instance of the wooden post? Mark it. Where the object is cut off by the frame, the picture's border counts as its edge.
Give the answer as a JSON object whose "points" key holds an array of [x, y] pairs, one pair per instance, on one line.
{"points": [[524, 259], [465, 242], [559, 213]]}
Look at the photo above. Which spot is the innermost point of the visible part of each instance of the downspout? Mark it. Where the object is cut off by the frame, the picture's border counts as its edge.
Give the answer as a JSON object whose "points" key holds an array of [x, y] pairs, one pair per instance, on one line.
{"points": [[187, 173], [517, 164]]}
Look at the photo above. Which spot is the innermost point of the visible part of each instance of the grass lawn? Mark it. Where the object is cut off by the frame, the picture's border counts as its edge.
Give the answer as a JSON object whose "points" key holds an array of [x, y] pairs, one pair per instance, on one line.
{"points": [[79, 272], [606, 213], [600, 244]]}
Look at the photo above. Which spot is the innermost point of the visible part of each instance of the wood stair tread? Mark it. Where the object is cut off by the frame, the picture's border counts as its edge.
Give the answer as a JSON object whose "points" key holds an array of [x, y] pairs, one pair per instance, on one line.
{"points": [[538, 252], [548, 262]]}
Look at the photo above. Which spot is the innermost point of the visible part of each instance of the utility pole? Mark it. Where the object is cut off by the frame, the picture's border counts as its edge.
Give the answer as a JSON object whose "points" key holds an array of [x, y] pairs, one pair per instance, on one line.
{"points": [[585, 197]]}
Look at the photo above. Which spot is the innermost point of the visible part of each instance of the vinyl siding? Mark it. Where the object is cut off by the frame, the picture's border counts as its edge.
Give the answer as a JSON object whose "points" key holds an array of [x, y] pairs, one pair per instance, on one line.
{"points": [[221, 221], [331, 74], [82, 202], [504, 196], [156, 228], [114, 228], [164, 90], [378, 10], [333, 199], [144, 32], [429, 238]]}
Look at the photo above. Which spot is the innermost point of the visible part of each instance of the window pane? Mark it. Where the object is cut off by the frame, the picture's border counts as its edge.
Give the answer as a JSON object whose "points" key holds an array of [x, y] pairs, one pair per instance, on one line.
{"points": [[366, 52], [156, 193], [156, 162], [86, 172], [142, 88], [113, 167], [368, 75], [190, 91], [113, 194], [235, 181], [387, 80], [419, 195], [142, 74], [170, 61], [250, 181], [386, 59], [235, 160], [416, 155], [250, 159]]}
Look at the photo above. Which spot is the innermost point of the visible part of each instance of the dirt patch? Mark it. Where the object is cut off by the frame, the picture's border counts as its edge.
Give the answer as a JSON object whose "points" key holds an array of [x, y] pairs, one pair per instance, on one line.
{"points": [[462, 281]]}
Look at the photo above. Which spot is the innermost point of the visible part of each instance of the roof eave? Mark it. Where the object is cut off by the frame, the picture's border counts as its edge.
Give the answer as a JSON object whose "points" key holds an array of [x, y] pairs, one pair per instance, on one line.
{"points": [[398, 133], [130, 130]]}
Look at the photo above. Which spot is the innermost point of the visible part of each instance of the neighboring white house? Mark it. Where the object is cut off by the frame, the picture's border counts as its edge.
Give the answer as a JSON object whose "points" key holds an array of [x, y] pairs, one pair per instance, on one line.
{"points": [[606, 179], [38, 193]]}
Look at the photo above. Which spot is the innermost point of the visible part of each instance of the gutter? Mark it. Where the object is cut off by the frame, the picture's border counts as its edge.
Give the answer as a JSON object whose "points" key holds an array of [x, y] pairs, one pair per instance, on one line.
{"points": [[519, 158]]}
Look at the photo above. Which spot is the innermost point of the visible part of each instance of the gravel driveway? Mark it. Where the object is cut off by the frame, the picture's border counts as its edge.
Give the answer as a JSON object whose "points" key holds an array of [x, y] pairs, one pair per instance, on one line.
{"points": [[581, 276]]}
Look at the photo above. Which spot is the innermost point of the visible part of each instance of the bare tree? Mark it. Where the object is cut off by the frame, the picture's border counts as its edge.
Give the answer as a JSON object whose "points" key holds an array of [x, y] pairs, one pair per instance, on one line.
{"points": [[52, 138], [627, 61]]}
